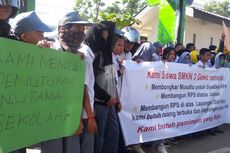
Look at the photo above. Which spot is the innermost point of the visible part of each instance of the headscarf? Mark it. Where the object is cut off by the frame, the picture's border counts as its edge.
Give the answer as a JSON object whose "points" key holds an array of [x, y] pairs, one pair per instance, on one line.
{"points": [[111, 26], [183, 60], [145, 52], [217, 61], [94, 38]]}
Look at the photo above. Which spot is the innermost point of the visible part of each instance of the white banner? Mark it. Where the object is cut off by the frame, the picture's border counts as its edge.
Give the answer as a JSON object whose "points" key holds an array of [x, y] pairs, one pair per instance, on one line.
{"points": [[168, 100]]}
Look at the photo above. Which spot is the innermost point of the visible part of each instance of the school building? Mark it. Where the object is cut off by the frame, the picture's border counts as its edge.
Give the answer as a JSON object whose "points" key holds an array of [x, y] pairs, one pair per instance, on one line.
{"points": [[201, 27]]}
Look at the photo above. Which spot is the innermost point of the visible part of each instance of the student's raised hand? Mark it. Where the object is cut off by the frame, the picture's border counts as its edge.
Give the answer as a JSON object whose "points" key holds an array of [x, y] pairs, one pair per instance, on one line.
{"points": [[112, 101], [80, 129], [44, 44], [222, 36], [92, 125]]}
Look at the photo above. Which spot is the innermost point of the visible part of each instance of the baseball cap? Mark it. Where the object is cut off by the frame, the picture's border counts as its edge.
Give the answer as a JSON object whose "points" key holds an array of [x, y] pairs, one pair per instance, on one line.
{"points": [[157, 45], [73, 18], [119, 32], [29, 21]]}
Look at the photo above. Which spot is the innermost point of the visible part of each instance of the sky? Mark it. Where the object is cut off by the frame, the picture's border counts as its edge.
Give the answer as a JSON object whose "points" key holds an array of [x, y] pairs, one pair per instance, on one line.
{"points": [[50, 11]]}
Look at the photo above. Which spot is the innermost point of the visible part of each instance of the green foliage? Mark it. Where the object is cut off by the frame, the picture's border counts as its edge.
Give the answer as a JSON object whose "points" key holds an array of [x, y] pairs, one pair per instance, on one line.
{"points": [[221, 8], [121, 20], [122, 11], [89, 9]]}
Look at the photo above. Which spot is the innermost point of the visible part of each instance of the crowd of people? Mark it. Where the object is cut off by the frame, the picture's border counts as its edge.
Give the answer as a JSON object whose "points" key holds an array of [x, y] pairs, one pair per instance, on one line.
{"points": [[104, 48]]}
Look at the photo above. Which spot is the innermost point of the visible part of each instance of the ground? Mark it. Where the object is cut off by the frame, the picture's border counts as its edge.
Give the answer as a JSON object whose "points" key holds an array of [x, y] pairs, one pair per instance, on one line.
{"points": [[206, 144]]}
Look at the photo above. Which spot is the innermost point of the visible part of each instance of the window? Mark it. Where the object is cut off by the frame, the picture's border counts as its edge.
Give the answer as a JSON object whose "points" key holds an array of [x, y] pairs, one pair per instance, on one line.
{"points": [[194, 38], [211, 41]]}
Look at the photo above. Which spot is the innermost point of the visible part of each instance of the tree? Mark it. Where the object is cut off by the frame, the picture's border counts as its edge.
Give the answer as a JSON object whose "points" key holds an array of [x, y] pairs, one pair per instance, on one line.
{"points": [[89, 9], [122, 11], [221, 8]]}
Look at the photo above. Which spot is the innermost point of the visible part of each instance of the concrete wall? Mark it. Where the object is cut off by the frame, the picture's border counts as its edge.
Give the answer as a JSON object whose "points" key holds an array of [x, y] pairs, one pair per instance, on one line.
{"points": [[203, 31]]}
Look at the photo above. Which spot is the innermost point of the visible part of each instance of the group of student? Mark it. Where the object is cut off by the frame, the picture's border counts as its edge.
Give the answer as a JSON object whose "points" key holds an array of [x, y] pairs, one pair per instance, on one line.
{"points": [[104, 48]]}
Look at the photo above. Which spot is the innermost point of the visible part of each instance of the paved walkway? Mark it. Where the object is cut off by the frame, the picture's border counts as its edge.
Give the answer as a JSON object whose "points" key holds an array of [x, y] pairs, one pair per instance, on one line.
{"points": [[207, 144]]}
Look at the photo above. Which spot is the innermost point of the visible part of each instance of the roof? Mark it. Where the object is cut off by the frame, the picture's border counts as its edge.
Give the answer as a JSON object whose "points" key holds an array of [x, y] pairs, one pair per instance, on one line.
{"points": [[200, 13], [209, 16]]}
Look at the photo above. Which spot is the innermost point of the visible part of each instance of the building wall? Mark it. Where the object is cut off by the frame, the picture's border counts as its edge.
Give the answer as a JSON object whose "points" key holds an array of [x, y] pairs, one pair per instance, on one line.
{"points": [[203, 31]]}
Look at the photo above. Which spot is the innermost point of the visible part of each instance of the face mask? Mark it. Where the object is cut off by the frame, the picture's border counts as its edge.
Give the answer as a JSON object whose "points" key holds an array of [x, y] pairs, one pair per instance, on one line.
{"points": [[221, 61], [71, 40]]}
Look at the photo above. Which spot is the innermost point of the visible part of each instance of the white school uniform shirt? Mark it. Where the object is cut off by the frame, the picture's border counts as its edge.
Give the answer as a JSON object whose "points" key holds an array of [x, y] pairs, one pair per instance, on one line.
{"points": [[89, 75], [125, 56], [156, 57], [116, 66], [56, 45], [201, 64]]}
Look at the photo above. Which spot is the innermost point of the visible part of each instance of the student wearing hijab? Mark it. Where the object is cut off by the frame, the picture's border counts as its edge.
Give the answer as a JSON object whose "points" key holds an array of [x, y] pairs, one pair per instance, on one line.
{"points": [[185, 58], [145, 52], [94, 42], [219, 60], [106, 97]]}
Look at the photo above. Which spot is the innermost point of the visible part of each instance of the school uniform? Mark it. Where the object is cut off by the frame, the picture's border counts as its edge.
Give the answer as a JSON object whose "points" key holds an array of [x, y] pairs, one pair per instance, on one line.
{"points": [[201, 64], [61, 145], [86, 138], [106, 139]]}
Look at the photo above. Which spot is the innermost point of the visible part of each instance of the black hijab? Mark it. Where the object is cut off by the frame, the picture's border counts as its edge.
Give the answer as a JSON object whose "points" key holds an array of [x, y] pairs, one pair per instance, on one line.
{"points": [[108, 52], [94, 38]]}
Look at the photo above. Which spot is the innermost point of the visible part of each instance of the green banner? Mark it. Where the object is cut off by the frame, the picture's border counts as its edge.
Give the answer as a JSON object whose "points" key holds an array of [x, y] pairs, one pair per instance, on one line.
{"points": [[166, 19], [153, 2], [41, 94], [166, 23]]}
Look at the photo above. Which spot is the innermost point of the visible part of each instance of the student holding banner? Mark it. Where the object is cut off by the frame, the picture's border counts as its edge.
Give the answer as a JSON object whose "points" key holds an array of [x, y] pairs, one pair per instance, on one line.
{"points": [[71, 34], [205, 56], [185, 58], [118, 48], [132, 42], [27, 27], [145, 52], [8, 9], [169, 54], [220, 60], [95, 39], [157, 56]]}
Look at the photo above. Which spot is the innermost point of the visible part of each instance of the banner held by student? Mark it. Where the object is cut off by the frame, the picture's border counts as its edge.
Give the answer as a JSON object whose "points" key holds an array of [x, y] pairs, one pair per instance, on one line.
{"points": [[41, 94], [168, 100]]}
